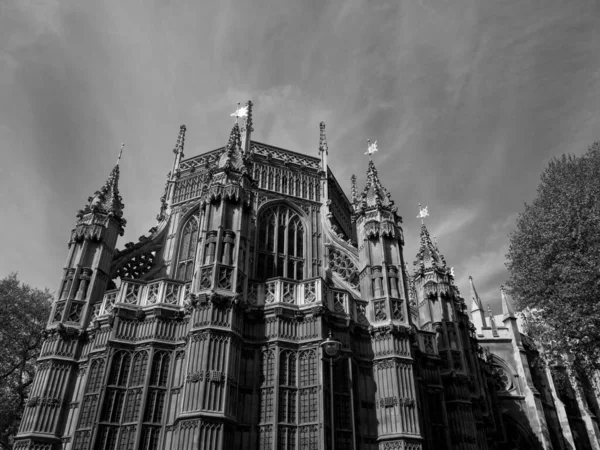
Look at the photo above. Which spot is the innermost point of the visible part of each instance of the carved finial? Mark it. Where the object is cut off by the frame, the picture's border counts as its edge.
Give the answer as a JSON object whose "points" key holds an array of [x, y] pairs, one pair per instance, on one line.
{"points": [[249, 105], [323, 139], [422, 214], [353, 183], [120, 153], [180, 140]]}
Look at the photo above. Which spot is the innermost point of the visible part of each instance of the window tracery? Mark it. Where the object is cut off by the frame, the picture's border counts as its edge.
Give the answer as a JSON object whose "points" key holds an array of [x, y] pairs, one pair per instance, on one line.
{"points": [[287, 389], [341, 264], [92, 390], [187, 249], [281, 244], [308, 391], [502, 378]]}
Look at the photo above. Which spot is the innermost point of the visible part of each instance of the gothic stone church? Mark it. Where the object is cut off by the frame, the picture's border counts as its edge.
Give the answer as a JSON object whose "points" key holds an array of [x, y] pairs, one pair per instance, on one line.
{"points": [[265, 310]]}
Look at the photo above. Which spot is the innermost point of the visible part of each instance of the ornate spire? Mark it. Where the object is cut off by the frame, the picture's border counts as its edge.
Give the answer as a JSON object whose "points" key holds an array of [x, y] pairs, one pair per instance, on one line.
{"points": [[375, 196], [235, 140], [353, 184], [234, 158], [429, 257], [107, 200], [248, 128], [507, 308], [120, 153], [323, 139], [178, 150]]}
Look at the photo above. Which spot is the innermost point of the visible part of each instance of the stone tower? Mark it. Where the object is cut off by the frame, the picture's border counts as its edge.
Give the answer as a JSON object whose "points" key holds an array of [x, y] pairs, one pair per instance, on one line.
{"points": [[52, 404], [383, 287], [455, 382]]}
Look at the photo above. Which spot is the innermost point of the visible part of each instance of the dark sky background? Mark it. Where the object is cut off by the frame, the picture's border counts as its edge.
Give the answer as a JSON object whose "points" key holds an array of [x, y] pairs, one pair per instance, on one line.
{"points": [[468, 100]]}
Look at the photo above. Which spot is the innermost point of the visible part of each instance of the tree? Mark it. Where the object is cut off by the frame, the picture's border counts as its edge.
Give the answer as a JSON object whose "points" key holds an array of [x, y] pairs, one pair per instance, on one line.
{"points": [[554, 260], [23, 312]]}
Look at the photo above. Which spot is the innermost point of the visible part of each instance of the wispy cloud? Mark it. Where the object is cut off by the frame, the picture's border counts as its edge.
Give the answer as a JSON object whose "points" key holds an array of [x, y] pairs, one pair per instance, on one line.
{"points": [[467, 100], [454, 222]]}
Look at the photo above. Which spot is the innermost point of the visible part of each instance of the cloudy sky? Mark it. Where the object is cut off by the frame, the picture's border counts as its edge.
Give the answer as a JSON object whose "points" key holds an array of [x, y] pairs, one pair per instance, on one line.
{"points": [[468, 100]]}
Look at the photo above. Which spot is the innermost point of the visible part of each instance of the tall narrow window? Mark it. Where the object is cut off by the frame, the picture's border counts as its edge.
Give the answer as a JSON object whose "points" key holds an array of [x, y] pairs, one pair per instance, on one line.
{"points": [[187, 249], [158, 387], [281, 244], [90, 399], [308, 395], [287, 387], [115, 393]]}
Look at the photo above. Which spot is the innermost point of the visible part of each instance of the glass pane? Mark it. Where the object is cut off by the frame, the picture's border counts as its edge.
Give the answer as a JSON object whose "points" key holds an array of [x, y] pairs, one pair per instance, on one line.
{"points": [[291, 238], [193, 243], [271, 234], [270, 266], [281, 239], [260, 273], [300, 241], [185, 243], [299, 270], [262, 235]]}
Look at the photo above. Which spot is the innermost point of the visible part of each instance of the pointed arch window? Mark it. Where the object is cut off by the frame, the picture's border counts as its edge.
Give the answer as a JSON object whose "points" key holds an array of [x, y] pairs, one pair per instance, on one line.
{"points": [[158, 387], [281, 244], [188, 242]]}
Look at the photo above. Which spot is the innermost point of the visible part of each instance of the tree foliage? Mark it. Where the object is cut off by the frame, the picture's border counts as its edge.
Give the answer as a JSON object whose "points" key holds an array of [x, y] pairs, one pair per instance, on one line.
{"points": [[24, 312], [554, 259]]}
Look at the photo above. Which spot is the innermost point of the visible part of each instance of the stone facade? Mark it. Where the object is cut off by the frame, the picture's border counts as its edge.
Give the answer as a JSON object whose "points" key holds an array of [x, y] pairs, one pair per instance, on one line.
{"points": [[208, 332]]}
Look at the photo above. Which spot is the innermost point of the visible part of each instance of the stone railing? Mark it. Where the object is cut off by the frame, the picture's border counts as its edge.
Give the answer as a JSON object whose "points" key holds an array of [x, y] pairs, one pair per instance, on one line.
{"points": [[297, 294], [146, 294], [301, 294]]}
